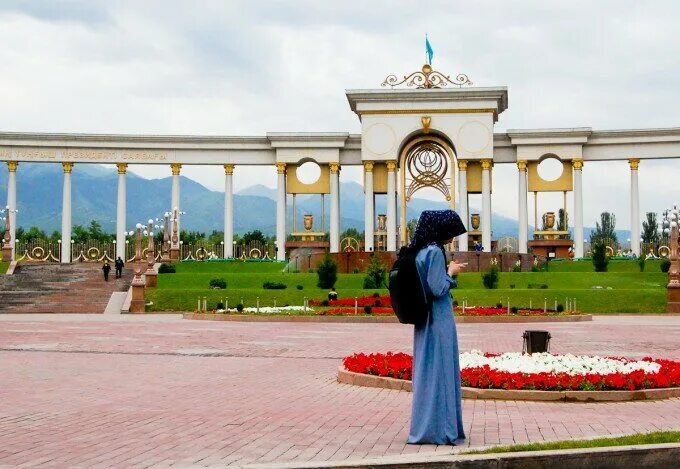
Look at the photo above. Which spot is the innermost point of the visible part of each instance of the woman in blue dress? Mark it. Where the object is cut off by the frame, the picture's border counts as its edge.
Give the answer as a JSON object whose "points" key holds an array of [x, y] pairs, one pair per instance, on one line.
{"points": [[436, 416]]}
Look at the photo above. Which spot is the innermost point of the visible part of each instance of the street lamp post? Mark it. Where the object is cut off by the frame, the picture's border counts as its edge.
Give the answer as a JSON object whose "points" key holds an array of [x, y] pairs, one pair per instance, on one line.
{"points": [[165, 248], [151, 275], [174, 240], [8, 242], [670, 227]]}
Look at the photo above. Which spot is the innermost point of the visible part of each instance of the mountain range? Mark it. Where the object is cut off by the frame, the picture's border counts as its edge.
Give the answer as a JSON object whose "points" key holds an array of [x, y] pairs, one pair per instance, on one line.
{"points": [[39, 195]]}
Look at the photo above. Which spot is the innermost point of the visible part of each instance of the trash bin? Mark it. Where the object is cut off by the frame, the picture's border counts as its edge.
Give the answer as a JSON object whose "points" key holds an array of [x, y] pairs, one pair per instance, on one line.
{"points": [[536, 342]]}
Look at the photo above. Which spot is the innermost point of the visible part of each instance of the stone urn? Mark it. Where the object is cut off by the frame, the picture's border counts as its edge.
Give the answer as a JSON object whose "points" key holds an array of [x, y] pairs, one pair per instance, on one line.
{"points": [[308, 222], [549, 221], [382, 222], [474, 218]]}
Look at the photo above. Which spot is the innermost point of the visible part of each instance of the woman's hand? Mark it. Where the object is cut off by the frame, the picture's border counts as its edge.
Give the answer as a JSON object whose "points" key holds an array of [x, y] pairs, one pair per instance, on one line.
{"points": [[455, 268]]}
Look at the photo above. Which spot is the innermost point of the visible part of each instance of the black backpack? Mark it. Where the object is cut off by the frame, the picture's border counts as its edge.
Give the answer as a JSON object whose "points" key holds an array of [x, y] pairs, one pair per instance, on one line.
{"points": [[409, 301]]}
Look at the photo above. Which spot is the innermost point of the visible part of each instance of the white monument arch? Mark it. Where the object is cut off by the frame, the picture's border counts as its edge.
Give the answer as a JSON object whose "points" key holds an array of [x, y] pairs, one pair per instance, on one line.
{"points": [[423, 135]]}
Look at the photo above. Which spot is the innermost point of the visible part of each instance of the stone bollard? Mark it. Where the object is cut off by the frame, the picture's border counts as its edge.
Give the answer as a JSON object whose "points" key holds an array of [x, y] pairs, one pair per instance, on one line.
{"points": [[137, 305]]}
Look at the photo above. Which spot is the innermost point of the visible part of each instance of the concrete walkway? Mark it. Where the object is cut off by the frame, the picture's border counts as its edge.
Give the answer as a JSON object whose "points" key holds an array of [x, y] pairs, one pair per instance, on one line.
{"points": [[157, 390]]}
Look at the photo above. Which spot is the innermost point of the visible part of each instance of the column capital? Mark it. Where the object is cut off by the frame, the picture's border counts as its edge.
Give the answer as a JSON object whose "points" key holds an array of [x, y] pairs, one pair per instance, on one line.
{"points": [[122, 168], [634, 163], [486, 164], [229, 169], [12, 166], [462, 165], [577, 163], [368, 166], [522, 165], [175, 167], [335, 167], [68, 167], [391, 165], [281, 168]]}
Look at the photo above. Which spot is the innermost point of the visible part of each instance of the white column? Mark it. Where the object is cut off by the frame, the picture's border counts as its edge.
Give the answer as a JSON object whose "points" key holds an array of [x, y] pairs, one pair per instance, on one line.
{"points": [[281, 212], [523, 234], [634, 207], [578, 208], [486, 205], [121, 208], [463, 200], [66, 215], [391, 205], [176, 168], [228, 211], [335, 207], [369, 207], [12, 201]]}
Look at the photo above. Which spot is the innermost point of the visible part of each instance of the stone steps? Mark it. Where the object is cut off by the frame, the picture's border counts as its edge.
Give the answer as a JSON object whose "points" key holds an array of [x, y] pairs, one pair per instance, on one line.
{"points": [[59, 288]]}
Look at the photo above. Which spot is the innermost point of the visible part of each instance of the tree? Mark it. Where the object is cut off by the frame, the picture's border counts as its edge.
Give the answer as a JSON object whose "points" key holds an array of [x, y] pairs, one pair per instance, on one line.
{"points": [[96, 233], [375, 273], [253, 236], [650, 229], [32, 235], [411, 226], [352, 233], [191, 237], [79, 235], [600, 259], [327, 271], [605, 230], [216, 237], [563, 222]]}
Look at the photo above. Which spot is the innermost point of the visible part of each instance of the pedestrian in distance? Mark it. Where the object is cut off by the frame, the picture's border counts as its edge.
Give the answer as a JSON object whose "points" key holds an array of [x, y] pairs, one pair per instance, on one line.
{"points": [[119, 267], [106, 268]]}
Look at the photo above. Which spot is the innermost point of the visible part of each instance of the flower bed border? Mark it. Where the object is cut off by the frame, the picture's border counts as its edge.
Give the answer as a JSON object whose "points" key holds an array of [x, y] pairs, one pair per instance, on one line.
{"points": [[378, 319], [372, 381]]}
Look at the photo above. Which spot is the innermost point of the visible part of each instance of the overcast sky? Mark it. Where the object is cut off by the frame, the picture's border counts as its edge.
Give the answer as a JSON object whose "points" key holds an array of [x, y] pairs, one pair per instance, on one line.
{"points": [[246, 68]]}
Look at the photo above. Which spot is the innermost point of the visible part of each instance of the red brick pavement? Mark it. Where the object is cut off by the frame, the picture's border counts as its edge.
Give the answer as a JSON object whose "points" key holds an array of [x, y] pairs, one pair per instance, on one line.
{"points": [[140, 391]]}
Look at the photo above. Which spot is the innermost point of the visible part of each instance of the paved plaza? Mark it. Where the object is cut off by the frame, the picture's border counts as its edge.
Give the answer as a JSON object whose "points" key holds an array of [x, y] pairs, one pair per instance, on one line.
{"points": [[139, 391]]}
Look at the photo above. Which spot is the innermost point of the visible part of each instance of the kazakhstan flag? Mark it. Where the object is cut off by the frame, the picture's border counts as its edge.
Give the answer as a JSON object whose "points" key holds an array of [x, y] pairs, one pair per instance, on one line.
{"points": [[428, 50]]}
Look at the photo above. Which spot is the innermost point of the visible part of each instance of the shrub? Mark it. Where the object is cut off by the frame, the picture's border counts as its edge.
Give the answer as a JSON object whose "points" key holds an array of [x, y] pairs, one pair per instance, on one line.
{"points": [[536, 286], [375, 294], [325, 303], [239, 307], [535, 268], [665, 265], [455, 303], [377, 303], [299, 287], [517, 268], [600, 259], [356, 270], [490, 278], [641, 262], [218, 283], [274, 285], [220, 305], [560, 308], [327, 271], [375, 273], [368, 309], [499, 305], [512, 286], [514, 310], [167, 269]]}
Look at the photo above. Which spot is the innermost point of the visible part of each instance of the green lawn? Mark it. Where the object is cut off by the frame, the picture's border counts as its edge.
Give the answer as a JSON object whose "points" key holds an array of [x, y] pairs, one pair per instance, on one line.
{"points": [[623, 290], [637, 439], [3, 267]]}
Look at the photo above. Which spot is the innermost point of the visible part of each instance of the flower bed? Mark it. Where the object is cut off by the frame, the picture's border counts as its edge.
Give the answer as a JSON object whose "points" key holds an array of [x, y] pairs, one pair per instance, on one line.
{"points": [[493, 311], [540, 371], [378, 311], [379, 301]]}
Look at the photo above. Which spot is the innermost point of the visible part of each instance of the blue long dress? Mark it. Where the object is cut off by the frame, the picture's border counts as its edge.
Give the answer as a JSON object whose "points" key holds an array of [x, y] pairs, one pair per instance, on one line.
{"points": [[436, 416]]}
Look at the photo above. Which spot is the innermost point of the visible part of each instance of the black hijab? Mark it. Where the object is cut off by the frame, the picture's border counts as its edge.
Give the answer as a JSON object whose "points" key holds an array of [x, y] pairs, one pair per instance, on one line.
{"points": [[435, 227]]}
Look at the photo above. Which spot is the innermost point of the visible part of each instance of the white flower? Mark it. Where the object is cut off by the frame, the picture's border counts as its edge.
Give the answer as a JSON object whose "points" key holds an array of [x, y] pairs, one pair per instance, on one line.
{"points": [[548, 363], [275, 310]]}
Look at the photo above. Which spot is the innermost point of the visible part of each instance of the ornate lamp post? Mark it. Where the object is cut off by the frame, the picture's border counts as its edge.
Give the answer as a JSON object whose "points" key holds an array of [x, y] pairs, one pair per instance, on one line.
{"points": [[670, 226], [165, 248], [138, 242], [174, 240], [151, 275]]}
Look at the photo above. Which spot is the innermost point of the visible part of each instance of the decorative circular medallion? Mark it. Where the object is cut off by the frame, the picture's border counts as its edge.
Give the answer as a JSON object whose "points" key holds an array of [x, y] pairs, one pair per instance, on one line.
{"points": [[93, 253], [255, 253], [474, 137], [380, 139], [38, 253]]}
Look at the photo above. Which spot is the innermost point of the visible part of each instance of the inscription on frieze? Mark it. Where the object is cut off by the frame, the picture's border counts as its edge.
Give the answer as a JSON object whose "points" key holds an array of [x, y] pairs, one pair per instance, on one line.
{"points": [[35, 154], [88, 154], [132, 155]]}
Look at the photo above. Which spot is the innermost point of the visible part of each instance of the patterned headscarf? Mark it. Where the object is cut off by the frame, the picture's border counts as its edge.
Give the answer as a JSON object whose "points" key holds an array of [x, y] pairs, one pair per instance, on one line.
{"points": [[437, 226]]}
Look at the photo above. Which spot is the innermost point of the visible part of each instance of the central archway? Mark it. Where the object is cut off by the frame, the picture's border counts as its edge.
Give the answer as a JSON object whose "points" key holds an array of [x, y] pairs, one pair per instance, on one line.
{"points": [[426, 161]]}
